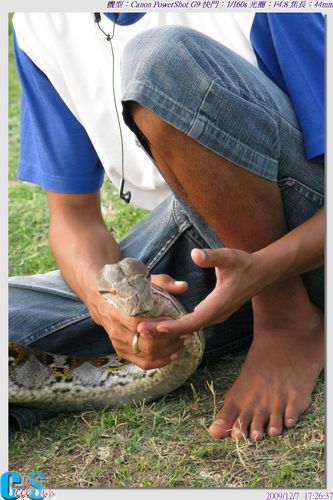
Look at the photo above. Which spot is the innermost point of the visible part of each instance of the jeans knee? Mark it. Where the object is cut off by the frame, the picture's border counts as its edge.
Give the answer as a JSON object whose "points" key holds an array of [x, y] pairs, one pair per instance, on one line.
{"points": [[159, 57], [153, 45]]}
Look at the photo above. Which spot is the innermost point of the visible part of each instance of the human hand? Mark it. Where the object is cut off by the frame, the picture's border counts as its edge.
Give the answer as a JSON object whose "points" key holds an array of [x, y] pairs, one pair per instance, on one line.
{"points": [[239, 277], [154, 352]]}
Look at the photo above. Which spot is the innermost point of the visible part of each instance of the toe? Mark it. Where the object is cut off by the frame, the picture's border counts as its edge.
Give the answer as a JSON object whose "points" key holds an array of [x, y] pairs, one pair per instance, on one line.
{"points": [[222, 424], [275, 424], [296, 406], [240, 427], [257, 426], [291, 415]]}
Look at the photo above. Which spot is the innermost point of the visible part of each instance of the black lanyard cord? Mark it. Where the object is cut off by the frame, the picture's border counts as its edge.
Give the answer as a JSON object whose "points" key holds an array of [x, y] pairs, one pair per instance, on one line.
{"points": [[124, 196]]}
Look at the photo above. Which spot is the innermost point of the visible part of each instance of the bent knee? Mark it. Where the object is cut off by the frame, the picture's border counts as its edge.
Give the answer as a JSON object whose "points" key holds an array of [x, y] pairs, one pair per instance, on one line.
{"points": [[155, 42], [160, 56]]}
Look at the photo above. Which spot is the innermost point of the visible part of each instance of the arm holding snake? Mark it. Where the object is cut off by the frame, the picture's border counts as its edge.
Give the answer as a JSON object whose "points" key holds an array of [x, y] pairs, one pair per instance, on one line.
{"points": [[82, 244], [65, 383]]}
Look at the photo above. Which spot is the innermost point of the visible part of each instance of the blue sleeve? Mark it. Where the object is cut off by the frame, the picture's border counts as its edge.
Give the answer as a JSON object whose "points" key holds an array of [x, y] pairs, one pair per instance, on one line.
{"points": [[290, 50], [55, 150], [124, 18]]}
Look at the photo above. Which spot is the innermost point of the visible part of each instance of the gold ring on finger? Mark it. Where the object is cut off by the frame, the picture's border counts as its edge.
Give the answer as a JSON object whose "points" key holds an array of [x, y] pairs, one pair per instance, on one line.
{"points": [[135, 344]]}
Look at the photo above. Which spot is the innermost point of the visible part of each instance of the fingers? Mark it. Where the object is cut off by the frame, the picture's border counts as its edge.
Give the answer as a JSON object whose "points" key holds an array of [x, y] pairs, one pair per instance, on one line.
{"points": [[211, 257], [199, 257], [209, 311], [154, 353], [150, 348], [169, 284], [224, 300], [225, 260], [179, 327], [147, 326]]}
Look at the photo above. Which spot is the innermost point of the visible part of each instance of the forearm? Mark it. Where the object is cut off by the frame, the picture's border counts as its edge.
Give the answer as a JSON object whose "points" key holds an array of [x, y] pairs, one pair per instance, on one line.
{"points": [[297, 252], [81, 244]]}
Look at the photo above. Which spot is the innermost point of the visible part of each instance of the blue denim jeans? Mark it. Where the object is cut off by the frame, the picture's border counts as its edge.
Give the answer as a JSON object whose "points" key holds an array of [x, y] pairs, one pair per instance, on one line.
{"points": [[46, 314], [220, 100]]}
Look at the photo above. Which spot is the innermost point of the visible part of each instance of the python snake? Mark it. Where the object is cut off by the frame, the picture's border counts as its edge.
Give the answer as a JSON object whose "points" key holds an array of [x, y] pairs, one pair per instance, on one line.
{"points": [[67, 383]]}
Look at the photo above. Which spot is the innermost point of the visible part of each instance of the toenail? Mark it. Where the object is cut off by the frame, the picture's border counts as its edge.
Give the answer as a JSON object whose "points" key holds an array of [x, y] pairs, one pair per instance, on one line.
{"points": [[256, 435], [291, 421], [273, 430]]}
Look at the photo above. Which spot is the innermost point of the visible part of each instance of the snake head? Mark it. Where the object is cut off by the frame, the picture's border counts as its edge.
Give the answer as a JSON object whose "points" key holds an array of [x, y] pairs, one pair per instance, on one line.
{"points": [[126, 285]]}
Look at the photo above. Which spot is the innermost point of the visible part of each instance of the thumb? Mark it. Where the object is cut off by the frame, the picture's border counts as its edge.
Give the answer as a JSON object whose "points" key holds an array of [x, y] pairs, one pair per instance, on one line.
{"points": [[207, 257], [169, 284], [217, 257]]}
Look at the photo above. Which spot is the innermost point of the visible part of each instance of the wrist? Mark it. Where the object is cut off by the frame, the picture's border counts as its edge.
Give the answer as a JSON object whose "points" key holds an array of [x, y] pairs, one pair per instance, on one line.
{"points": [[83, 281], [274, 263], [93, 305], [89, 293], [263, 269]]}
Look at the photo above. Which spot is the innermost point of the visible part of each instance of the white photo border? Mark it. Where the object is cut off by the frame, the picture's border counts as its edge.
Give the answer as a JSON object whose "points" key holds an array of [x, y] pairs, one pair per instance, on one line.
{"points": [[7, 7]]}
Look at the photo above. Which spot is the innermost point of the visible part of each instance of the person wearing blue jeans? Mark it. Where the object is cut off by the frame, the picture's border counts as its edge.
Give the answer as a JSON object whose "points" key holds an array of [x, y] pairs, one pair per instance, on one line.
{"points": [[47, 315], [227, 140]]}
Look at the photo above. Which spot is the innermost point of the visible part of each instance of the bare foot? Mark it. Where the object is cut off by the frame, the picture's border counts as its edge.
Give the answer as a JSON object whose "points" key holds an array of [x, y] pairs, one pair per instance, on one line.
{"points": [[276, 381]]}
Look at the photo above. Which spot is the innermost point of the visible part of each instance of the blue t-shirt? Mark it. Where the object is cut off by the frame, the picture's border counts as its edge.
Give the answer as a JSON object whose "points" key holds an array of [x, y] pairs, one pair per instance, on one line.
{"points": [[291, 53], [56, 152]]}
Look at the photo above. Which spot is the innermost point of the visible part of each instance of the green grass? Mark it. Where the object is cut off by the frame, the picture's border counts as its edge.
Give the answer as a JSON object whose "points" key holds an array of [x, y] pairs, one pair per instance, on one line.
{"points": [[165, 444], [160, 444]]}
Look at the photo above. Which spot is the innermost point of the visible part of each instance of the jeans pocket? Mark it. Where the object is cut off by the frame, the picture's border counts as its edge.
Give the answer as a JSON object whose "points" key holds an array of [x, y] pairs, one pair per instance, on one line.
{"points": [[300, 201]]}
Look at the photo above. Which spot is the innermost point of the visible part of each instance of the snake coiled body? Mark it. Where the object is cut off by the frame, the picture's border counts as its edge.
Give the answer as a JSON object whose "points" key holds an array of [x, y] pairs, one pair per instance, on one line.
{"points": [[66, 383]]}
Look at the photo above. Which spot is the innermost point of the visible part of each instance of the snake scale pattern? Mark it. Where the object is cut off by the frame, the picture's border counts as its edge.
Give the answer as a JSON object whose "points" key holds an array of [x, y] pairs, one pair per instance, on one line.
{"points": [[67, 383]]}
